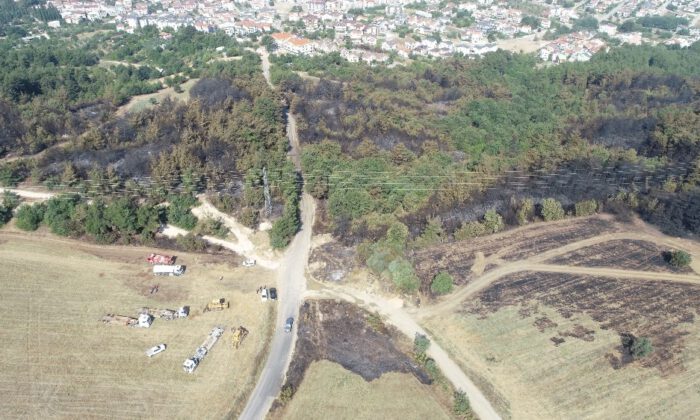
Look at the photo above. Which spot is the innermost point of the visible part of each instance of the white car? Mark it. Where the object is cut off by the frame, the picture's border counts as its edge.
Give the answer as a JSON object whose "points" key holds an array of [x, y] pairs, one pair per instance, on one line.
{"points": [[155, 350], [249, 263], [263, 295]]}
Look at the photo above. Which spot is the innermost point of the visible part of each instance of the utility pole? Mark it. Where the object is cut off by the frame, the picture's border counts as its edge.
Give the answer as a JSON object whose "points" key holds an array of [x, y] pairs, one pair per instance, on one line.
{"points": [[266, 192]]}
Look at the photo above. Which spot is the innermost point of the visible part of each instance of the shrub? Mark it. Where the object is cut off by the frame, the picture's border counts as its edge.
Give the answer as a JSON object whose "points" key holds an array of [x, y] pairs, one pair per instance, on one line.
{"points": [[286, 393], [638, 347], [249, 217], [586, 208], [402, 274], [191, 242], [29, 216], [461, 404], [214, 227], [551, 210], [679, 258], [493, 222], [421, 343], [470, 230], [432, 234], [442, 283], [58, 214]]}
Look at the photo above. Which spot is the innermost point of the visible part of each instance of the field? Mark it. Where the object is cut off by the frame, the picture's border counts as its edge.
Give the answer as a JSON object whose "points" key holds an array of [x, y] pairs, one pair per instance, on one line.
{"points": [[541, 331], [345, 395], [59, 361]]}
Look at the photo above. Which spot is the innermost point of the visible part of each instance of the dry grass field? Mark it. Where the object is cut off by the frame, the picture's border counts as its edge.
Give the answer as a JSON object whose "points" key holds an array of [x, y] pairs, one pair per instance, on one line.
{"points": [[329, 391], [58, 360], [141, 102], [531, 378]]}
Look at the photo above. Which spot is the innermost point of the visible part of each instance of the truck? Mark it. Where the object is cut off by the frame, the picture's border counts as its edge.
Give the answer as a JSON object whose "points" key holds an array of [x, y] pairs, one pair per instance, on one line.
{"points": [[168, 270], [167, 314], [190, 364], [160, 259], [143, 321]]}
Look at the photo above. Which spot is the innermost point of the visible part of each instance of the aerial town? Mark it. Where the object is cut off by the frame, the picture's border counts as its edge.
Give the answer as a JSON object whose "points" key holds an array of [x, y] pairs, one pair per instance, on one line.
{"points": [[374, 31]]}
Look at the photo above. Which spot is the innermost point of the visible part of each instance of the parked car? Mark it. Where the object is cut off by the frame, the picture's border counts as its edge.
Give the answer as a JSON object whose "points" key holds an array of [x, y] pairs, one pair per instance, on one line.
{"points": [[155, 350], [288, 325], [263, 295], [249, 262], [272, 293]]}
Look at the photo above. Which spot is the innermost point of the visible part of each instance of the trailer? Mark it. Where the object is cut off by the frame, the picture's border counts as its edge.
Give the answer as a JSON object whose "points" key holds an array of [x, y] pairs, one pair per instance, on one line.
{"points": [[189, 365], [160, 259], [168, 270]]}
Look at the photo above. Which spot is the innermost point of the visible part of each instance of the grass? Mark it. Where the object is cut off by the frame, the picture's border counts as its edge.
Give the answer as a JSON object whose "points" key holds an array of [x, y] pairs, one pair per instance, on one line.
{"points": [[59, 360], [331, 392], [574, 380]]}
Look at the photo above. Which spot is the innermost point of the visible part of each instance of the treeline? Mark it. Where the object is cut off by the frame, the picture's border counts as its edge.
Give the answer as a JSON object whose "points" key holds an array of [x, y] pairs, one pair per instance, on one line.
{"points": [[448, 146]]}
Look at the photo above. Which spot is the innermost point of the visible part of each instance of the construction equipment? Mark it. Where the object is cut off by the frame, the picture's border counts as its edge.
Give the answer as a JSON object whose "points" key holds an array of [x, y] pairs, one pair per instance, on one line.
{"points": [[160, 259], [189, 365], [167, 314], [217, 305], [239, 334], [143, 321], [168, 270]]}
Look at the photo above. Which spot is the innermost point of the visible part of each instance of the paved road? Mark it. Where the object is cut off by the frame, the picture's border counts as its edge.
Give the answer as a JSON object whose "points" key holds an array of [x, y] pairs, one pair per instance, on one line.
{"points": [[291, 286]]}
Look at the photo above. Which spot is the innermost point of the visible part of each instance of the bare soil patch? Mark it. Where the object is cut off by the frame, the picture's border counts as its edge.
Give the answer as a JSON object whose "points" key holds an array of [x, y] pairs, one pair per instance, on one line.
{"points": [[352, 337], [654, 309], [457, 258], [332, 261], [625, 253]]}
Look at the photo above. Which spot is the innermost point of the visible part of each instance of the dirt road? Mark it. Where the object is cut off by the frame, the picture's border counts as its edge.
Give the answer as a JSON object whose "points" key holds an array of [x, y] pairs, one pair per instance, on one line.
{"points": [[265, 58], [29, 194], [392, 310], [535, 263]]}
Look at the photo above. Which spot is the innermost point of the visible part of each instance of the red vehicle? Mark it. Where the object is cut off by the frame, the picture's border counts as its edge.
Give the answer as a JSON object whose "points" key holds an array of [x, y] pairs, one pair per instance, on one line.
{"points": [[160, 259]]}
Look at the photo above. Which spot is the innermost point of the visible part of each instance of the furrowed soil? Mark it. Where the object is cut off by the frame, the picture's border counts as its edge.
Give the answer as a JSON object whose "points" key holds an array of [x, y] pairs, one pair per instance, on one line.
{"points": [[458, 258], [626, 254], [545, 345], [60, 361]]}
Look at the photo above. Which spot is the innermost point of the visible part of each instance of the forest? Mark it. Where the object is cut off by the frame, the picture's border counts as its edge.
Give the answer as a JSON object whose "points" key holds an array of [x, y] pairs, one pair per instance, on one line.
{"points": [[59, 128], [451, 149]]}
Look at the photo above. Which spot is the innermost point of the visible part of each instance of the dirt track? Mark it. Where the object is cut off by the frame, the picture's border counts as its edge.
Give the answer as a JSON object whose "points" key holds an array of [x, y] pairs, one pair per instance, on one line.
{"points": [[536, 263]]}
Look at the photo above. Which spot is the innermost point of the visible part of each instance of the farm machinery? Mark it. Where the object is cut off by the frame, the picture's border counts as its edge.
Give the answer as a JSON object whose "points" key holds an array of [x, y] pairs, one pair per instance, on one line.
{"points": [[217, 305], [167, 314], [191, 364], [143, 321], [160, 259], [239, 334]]}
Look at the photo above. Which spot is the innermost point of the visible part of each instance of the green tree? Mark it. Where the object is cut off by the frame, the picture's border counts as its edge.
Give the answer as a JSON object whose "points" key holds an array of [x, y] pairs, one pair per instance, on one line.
{"points": [[470, 230], [442, 283], [638, 347], [58, 214], [586, 208], [525, 211], [432, 234], [493, 222], [551, 210], [29, 216], [403, 276]]}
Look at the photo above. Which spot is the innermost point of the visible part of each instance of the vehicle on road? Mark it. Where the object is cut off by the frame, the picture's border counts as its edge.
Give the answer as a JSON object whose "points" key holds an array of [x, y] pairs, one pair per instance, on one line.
{"points": [[168, 270], [249, 262], [272, 294], [288, 325], [155, 350]]}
